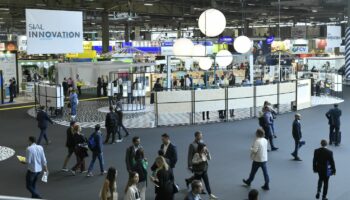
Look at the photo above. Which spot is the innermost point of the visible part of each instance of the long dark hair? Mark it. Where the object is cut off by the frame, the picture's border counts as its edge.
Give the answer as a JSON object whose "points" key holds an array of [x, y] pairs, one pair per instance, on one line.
{"points": [[130, 181], [111, 176], [200, 147]]}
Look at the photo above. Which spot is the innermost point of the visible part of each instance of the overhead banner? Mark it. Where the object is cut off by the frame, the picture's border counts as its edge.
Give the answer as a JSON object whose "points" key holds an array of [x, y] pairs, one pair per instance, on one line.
{"points": [[298, 32], [53, 31], [333, 38]]}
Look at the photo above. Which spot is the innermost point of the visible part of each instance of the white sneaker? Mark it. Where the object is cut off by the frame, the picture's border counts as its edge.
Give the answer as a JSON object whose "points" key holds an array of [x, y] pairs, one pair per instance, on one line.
{"points": [[121, 140], [73, 172], [89, 174], [211, 196], [64, 170]]}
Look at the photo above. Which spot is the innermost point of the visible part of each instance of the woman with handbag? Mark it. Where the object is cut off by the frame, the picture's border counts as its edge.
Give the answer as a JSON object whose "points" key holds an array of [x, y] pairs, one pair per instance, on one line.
{"points": [[164, 180], [141, 165], [81, 149], [200, 167], [131, 190], [109, 189]]}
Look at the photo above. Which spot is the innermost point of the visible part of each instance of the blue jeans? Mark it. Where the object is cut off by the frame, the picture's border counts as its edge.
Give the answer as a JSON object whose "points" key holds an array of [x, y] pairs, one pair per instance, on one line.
{"points": [[31, 179], [255, 167], [100, 160], [73, 110], [298, 144], [42, 134]]}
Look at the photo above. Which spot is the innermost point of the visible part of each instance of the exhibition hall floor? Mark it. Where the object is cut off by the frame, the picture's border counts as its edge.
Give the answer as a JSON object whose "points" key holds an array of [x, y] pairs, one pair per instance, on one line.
{"points": [[229, 144]]}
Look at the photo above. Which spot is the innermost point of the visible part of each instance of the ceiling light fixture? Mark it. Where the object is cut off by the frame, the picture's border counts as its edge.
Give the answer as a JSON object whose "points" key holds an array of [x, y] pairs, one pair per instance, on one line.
{"points": [[314, 11], [148, 4], [5, 9], [99, 8]]}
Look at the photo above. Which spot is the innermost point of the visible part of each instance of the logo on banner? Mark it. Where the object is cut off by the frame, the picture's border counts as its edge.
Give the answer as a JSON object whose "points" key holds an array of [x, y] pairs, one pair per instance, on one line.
{"points": [[39, 31], [299, 49]]}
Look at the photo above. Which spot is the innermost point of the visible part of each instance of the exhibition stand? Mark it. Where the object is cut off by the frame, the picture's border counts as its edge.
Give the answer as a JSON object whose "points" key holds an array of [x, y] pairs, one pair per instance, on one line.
{"points": [[49, 95]]}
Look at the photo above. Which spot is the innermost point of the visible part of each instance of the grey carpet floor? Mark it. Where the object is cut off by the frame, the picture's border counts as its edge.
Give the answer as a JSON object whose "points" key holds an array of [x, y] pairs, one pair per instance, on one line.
{"points": [[229, 144]]}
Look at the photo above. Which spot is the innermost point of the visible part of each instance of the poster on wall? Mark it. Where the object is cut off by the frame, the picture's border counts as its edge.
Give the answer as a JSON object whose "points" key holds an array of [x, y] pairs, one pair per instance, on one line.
{"points": [[304, 94], [8, 66], [53, 31], [298, 32], [333, 38]]}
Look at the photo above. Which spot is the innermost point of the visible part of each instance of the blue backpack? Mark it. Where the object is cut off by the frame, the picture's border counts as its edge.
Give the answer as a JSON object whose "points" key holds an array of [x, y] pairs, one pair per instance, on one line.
{"points": [[92, 142]]}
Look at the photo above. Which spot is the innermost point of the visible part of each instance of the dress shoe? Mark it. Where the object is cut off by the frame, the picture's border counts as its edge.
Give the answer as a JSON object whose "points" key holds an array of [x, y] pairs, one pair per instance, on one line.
{"points": [[246, 182], [265, 187], [293, 154], [297, 159], [274, 149], [324, 198], [317, 195], [187, 183], [203, 192]]}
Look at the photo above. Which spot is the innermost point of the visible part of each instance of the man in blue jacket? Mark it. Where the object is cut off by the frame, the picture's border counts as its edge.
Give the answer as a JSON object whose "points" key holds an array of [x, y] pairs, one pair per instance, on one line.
{"points": [[43, 120], [97, 151], [297, 136], [333, 116]]}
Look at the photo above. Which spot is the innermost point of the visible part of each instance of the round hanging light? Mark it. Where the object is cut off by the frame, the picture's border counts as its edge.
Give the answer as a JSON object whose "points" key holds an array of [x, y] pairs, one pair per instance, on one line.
{"points": [[224, 58], [212, 22], [242, 44], [183, 47], [205, 63], [198, 52]]}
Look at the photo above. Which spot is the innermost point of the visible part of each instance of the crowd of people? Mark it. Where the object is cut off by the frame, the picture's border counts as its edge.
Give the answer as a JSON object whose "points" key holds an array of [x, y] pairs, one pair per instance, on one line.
{"points": [[162, 169]]}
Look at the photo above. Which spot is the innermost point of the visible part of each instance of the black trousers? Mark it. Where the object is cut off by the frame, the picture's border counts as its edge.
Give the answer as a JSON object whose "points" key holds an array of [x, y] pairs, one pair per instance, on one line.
{"points": [[322, 180], [110, 131], [203, 115], [333, 134], [205, 178]]}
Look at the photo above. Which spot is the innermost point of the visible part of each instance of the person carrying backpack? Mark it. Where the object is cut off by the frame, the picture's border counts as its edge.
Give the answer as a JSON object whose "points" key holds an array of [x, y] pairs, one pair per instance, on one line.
{"points": [[96, 146]]}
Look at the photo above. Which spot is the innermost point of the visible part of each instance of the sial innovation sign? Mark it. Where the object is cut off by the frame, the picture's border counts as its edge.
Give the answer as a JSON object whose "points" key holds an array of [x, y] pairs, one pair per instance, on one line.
{"points": [[54, 31]]}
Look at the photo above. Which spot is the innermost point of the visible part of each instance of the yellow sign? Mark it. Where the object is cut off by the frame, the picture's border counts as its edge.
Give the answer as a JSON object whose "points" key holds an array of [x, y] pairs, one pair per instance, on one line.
{"points": [[87, 45]]}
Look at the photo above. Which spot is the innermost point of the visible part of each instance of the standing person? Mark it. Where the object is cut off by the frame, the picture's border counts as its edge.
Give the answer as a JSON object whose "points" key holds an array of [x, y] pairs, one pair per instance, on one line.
{"points": [[182, 82], [205, 113], [253, 194], [80, 150], [43, 120], [267, 127], [109, 188], [74, 101], [200, 167], [111, 125], [196, 189], [11, 90], [70, 82], [104, 85], [96, 146], [157, 87], [69, 144], [169, 149], [120, 124], [131, 190], [99, 86], [79, 85], [141, 165], [192, 149], [333, 116], [36, 163], [65, 86], [273, 113], [131, 153], [323, 164], [259, 156], [297, 136], [14, 82], [164, 180]]}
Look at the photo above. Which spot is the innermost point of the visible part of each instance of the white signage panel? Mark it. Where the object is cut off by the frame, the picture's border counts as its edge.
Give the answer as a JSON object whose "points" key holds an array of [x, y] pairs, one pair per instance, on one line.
{"points": [[8, 66], [53, 31], [333, 37]]}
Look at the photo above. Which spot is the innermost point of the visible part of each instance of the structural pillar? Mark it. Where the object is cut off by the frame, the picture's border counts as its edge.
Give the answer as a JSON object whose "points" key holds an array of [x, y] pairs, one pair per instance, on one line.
{"points": [[127, 32], [347, 46], [105, 32]]}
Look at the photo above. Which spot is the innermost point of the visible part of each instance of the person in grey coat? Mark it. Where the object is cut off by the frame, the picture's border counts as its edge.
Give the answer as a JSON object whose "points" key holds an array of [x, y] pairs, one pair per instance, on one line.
{"points": [[192, 149], [333, 116]]}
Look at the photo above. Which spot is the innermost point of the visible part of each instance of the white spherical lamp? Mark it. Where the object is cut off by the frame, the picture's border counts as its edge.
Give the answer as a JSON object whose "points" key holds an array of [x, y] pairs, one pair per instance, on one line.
{"points": [[242, 44], [212, 22], [183, 47], [224, 58], [198, 52], [205, 63]]}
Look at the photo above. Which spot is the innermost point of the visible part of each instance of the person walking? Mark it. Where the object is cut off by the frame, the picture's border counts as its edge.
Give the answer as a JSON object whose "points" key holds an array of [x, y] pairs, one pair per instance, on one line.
{"points": [[109, 188], [96, 146], [120, 124], [43, 120], [36, 163], [324, 165], [131, 190], [164, 180], [80, 150], [131, 153], [196, 189], [296, 131], [333, 116], [267, 126], [99, 86], [259, 157], [169, 149], [11, 90], [273, 114], [65, 86], [192, 149], [74, 101], [141, 165], [200, 167], [111, 125], [69, 144]]}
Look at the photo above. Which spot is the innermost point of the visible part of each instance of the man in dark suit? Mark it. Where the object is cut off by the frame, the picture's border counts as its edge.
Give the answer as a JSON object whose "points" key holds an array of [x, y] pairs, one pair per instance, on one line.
{"points": [[333, 116], [323, 164], [131, 152], [169, 149], [43, 120], [297, 136], [111, 125]]}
